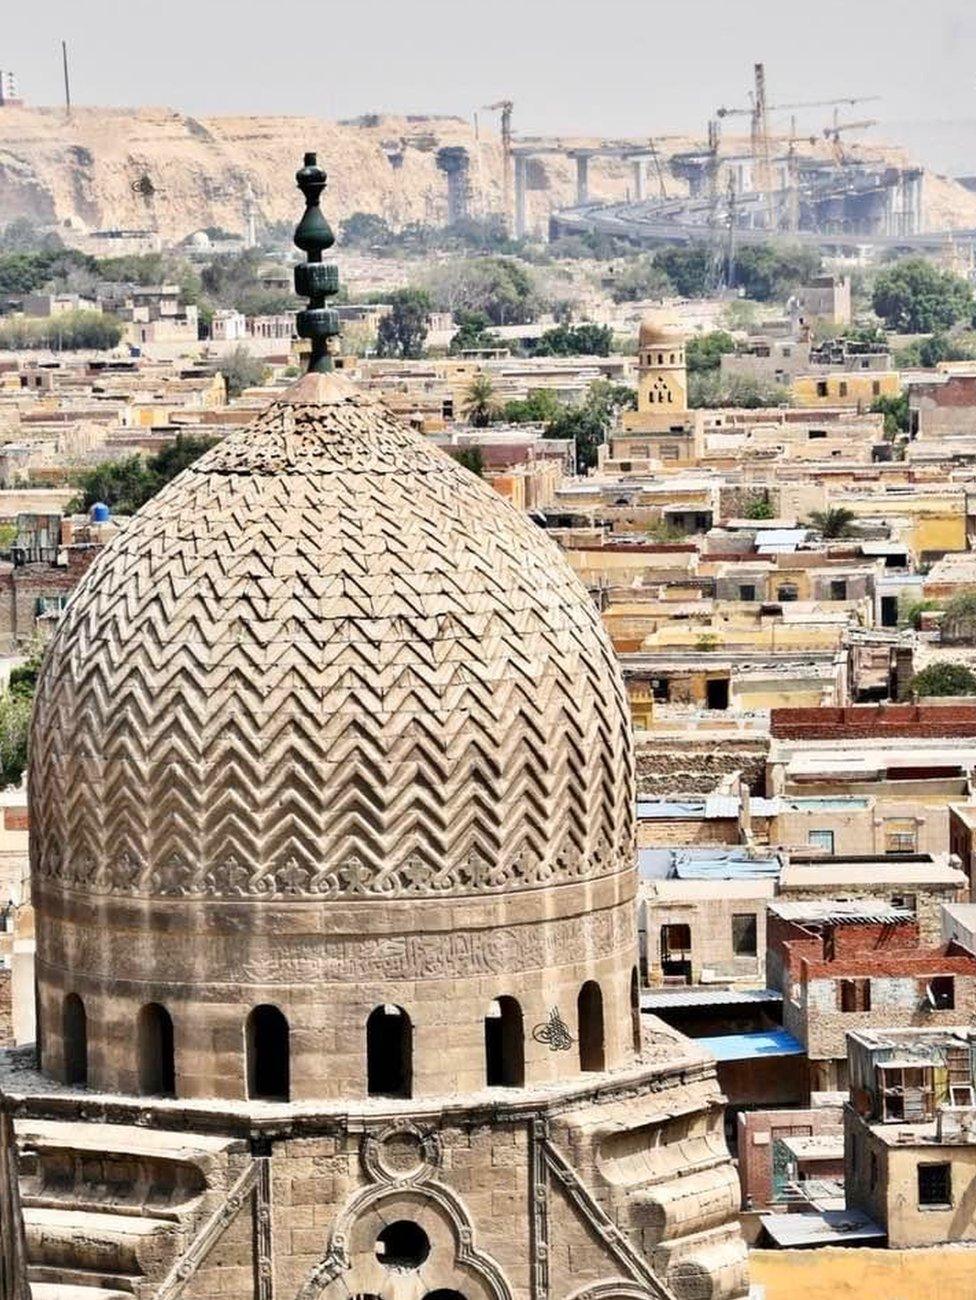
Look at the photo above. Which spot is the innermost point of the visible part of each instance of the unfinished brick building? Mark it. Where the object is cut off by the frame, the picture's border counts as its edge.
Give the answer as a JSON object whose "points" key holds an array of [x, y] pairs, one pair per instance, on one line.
{"points": [[333, 864]]}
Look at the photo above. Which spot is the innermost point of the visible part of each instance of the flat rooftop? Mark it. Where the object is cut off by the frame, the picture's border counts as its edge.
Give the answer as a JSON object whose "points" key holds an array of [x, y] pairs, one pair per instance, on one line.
{"points": [[822, 1228], [750, 1047], [654, 1000]]}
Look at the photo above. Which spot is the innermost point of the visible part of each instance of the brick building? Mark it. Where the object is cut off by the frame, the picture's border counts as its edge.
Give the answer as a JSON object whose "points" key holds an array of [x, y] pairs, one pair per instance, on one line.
{"points": [[845, 968]]}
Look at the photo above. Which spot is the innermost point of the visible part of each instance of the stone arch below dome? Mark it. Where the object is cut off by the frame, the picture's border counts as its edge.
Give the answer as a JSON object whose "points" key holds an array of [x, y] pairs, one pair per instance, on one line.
{"points": [[454, 1263]]}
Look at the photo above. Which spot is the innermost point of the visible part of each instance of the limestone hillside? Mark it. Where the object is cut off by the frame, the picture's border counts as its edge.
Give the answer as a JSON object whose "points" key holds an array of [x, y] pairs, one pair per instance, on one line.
{"points": [[160, 169]]}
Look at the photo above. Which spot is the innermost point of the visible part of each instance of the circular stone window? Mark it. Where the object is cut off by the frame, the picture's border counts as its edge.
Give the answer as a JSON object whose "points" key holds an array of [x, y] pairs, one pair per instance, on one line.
{"points": [[402, 1245]]}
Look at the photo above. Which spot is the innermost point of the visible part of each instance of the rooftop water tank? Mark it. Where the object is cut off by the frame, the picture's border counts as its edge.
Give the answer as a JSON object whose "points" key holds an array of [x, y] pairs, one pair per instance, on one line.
{"points": [[100, 513]]}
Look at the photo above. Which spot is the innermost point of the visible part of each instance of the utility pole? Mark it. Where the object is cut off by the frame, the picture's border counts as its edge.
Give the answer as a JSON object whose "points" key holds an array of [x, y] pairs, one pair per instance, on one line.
{"points": [[67, 84]]}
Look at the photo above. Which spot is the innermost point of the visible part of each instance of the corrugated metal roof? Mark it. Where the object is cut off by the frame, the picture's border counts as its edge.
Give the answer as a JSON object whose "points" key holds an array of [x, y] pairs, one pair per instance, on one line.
{"points": [[711, 863], [750, 1047], [854, 912], [671, 999], [821, 1229]]}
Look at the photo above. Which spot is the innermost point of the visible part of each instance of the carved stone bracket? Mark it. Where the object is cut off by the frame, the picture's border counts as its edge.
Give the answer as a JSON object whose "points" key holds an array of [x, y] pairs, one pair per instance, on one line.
{"points": [[617, 1242]]}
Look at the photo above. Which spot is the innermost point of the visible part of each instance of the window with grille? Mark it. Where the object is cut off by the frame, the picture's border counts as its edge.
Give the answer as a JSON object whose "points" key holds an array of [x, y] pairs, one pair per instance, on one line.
{"points": [[935, 1184]]}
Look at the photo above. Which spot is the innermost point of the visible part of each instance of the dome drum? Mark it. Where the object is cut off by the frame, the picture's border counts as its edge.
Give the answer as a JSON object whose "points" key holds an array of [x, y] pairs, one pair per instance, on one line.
{"points": [[327, 725]]}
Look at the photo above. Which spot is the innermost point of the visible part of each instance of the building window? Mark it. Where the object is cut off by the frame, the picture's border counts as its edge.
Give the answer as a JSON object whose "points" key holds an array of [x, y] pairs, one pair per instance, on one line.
{"points": [[935, 1185], [389, 1052], [747, 592], [676, 951], [786, 592], [838, 589], [822, 841], [941, 993], [900, 836], [267, 1052], [589, 1017], [855, 995], [157, 1063], [744, 939], [822, 388], [874, 1170], [876, 387], [817, 433], [402, 1245], [504, 1045], [843, 388], [635, 1009], [75, 1033]]}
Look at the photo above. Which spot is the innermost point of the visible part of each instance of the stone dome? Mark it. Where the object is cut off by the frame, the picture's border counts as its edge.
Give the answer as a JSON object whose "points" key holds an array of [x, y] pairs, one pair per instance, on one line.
{"points": [[323, 683], [657, 328]]}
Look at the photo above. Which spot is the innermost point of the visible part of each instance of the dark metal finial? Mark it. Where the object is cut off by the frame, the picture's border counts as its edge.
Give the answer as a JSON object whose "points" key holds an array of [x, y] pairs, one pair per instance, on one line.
{"points": [[314, 279]]}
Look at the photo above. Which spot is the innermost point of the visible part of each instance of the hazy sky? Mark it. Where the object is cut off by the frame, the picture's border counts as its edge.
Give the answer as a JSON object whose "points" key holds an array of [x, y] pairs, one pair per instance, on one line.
{"points": [[604, 66]]}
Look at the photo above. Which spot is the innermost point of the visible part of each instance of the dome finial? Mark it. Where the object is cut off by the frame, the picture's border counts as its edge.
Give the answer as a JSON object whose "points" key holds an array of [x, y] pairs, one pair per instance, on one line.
{"points": [[315, 280]]}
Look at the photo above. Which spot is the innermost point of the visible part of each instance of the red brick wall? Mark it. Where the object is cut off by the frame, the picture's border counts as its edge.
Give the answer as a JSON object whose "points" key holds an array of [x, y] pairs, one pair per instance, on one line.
{"points": [[756, 1158], [869, 720]]}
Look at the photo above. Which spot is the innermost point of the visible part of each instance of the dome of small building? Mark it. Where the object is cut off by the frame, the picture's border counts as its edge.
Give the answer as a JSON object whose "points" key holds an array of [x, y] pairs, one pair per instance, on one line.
{"points": [[329, 728], [658, 328]]}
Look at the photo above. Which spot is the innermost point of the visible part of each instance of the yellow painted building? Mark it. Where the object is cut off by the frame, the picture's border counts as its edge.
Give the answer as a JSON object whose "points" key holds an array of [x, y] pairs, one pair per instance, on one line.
{"points": [[858, 388]]}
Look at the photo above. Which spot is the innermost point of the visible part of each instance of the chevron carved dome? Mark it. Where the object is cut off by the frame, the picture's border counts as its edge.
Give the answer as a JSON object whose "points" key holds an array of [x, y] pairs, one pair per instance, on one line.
{"points": [[328, 661]]}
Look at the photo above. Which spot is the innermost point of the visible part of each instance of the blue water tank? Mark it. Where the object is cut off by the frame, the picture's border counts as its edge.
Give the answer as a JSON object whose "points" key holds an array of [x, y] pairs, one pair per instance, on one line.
{"points": [[100, 513]]}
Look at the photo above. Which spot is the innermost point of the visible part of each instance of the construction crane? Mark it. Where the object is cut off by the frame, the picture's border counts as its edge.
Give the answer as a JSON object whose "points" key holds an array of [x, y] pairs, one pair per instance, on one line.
{"points": [[658, 169], [504, 107], [758, 115], [833, 134]]}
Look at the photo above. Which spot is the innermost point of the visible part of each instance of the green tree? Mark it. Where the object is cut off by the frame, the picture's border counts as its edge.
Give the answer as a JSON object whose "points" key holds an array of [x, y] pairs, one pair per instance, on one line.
{"points": [[833, 523], [67, 332], [27, 272], [958, 623], [542, 406], [688, 268], [590, 421], [705, 351], [479, 406], [742, 392], [759, 506], [471, 458], [242, 370], [575, 340], [916, 297], [403, 332], [473, 333], [771, 272], [127, 484], [639, 278], [500, 287], [15, 715], [944, 679], [366, 229], [895, 412]]}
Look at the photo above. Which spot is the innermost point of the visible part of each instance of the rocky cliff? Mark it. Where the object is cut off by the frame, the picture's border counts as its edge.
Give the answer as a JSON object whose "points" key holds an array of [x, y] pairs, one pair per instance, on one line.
{"points": [[157, 169]]}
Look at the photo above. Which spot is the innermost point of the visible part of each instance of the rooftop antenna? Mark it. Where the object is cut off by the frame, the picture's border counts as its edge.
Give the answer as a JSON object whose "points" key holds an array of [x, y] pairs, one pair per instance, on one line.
{"points": [[314, 279], [67, 84]]}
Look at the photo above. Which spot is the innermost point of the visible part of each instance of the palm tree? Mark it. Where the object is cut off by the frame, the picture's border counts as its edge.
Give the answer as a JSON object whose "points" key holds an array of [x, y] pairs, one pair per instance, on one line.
{"points": [[479, 404], [832, 523]]}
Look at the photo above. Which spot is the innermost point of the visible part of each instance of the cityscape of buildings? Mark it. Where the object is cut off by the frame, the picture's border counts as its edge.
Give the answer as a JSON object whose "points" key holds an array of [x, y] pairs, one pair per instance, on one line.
{"points": [[488, 754]]}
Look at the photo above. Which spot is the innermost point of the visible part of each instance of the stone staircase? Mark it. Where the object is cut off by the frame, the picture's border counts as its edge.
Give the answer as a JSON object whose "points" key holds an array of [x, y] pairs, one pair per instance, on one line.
{"points": [[109, 1209]]}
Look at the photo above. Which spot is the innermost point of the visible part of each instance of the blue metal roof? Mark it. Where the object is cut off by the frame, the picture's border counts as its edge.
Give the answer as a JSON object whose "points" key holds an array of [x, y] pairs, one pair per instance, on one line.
{"points": [[712, 863], [748, 1047]]}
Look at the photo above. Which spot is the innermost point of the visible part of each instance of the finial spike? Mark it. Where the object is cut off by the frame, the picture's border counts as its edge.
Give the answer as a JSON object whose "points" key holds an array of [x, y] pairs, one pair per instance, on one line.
{"points": [[314, 279]]}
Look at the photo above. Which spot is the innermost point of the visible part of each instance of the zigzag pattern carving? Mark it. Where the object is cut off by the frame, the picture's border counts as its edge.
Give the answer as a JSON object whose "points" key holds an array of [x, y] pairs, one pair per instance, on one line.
{"points": [[327, 660]]}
